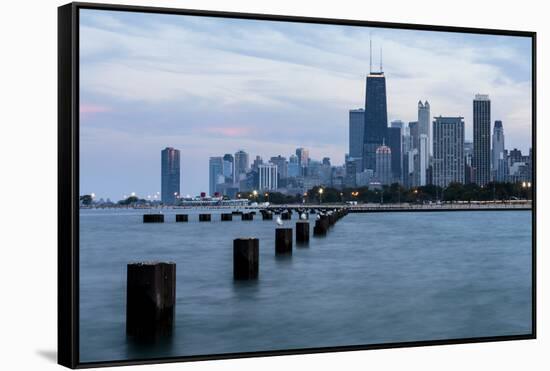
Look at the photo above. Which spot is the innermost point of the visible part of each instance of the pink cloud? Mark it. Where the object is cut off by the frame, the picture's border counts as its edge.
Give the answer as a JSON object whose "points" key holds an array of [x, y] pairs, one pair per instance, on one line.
{"points": [[229, 131], [87, 109]]}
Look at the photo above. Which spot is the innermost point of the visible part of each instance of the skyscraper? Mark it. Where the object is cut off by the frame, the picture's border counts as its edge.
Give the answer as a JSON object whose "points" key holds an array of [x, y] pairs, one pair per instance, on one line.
{"points": [[448, 156], [350, 180], [228, 167], [303, 157], [482, 139], [394, 142], [383, 164], [469, 175], [282, 166], [257, 161], [498, 156], [424, 122], [397, 124], [293, 167], [241, 165], [423, 159], [170, 175], [376, 117], [416, 158], [414, 133], [215, 171], [267, 177], [356, 133]]}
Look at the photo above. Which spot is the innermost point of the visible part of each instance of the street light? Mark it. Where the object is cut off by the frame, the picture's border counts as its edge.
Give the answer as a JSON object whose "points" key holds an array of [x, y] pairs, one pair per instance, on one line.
{"points": [[320, 195]]}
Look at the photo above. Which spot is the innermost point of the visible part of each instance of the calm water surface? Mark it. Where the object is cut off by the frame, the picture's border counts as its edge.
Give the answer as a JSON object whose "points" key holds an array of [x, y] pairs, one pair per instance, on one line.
{"points": [[376, 278]]}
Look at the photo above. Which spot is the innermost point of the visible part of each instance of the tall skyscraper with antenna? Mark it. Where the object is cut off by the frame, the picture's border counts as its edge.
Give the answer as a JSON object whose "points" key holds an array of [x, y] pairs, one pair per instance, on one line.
{"points": [[376, 114]]}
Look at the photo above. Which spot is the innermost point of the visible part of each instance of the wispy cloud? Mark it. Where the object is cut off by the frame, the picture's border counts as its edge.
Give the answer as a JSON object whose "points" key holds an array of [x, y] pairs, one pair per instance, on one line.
{"points": [[88, 109], [228, 131]]}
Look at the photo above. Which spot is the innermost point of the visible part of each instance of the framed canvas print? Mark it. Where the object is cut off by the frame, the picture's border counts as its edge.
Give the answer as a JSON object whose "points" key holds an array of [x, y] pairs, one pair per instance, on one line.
{"points": [[236, 185]]}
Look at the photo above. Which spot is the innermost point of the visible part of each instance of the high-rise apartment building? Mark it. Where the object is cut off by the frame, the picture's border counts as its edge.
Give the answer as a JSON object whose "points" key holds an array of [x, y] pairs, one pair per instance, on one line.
{"points": [[448, 156]]}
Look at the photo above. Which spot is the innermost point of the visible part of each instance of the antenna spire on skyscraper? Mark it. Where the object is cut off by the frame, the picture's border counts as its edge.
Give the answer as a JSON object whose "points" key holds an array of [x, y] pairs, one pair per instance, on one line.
{"points": [[381, 60], [370, 54]]}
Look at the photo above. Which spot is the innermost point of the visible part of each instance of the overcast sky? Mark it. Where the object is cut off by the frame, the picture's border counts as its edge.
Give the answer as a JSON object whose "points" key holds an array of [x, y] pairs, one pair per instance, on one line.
{"points": [[210, 86]]}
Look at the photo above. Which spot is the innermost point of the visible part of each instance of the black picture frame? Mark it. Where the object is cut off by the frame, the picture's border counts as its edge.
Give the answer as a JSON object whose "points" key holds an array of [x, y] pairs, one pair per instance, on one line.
{"points": [[68, 181]]}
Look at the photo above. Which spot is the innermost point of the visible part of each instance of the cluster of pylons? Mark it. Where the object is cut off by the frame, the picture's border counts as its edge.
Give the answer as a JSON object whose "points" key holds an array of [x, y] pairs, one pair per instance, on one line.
{"points": [[327, 219], [151, 285]]}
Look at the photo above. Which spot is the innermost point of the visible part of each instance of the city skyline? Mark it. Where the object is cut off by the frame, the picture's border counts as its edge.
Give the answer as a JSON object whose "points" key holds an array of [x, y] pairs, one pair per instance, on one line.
{"points": [[165, 114]]}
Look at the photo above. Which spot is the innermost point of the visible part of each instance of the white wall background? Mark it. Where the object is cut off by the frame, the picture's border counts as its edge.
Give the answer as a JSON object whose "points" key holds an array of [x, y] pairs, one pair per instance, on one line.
{"points": [[28, 158]]}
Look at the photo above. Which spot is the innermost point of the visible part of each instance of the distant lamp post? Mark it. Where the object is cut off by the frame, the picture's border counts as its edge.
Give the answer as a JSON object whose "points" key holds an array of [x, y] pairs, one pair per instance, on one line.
{"points": [[341, 197], [304, 199], [133, 194], [238, 195], [320, 195], [92, 195], [255, 194], [266, 196]]}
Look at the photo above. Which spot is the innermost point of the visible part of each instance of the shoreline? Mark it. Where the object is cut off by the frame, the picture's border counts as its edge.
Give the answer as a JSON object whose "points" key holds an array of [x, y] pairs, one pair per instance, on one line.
{"points": [[361, 208]]}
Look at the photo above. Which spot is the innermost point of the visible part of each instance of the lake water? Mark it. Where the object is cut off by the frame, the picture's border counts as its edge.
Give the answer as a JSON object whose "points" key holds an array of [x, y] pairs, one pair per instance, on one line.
{"points": [[375, 278]]}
